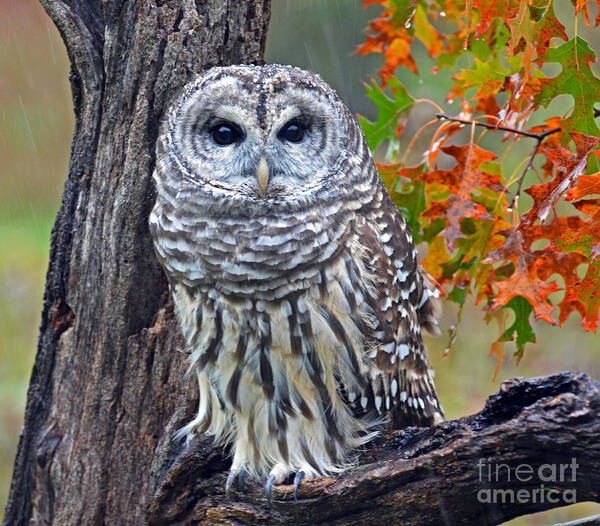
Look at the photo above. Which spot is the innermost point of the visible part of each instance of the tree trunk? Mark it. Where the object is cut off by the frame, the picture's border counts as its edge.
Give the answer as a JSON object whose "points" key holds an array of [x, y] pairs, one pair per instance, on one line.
{"points": [[108, 390]]}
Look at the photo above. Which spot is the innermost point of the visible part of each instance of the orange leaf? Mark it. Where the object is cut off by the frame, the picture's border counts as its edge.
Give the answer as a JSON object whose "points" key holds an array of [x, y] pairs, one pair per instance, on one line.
{"points": [[574, 234], [584, 297], [461, 180], [588, 206], [581, 6], [551, 141], [497, 349], [392, 39], [580, 240], [566, 266], [488, 11], [391, 173], [586, 185], [546, 29], [534, 290], [489, 106], [569, 166], [437, 256], [524, 281], [441, 135]]}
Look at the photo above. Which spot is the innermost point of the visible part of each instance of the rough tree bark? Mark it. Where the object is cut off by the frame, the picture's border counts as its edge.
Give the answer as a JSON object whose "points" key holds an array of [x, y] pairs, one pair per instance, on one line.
{"points": [[106, 392]]}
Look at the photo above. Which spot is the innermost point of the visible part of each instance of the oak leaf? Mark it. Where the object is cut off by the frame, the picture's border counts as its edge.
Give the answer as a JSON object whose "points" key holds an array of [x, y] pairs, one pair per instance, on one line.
{"points": [[586, 184], [569, 166], [466, 177], [524, 281], [575, 79]]}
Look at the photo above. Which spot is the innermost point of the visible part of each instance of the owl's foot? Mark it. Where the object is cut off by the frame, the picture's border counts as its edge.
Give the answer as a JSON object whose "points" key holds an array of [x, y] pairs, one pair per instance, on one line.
{"points": [[239, 474], [278, 475]]}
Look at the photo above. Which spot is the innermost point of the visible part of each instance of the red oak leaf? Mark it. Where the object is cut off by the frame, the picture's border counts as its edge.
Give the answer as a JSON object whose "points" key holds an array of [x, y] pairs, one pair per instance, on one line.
{"points": [[586, 185], [389, 36], [584, 297], [569, 167], [524, 281], [461, 181]]}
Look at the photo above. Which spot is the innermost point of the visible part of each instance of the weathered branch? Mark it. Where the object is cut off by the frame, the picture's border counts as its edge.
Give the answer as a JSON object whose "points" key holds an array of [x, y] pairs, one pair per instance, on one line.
{"points": [[441, 475]]}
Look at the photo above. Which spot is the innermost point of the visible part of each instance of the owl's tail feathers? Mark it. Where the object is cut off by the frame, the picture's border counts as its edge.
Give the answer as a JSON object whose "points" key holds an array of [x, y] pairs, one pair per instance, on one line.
{"points": [[429, 308], [417, 403]]}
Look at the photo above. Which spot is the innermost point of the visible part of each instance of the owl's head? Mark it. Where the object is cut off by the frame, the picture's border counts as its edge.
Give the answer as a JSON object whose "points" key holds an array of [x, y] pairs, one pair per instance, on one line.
{"points": [[263, 134]]}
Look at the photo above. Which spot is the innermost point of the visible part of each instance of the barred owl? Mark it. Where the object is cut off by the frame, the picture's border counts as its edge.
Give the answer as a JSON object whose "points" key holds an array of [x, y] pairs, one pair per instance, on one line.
{"points": [[295, 279]]}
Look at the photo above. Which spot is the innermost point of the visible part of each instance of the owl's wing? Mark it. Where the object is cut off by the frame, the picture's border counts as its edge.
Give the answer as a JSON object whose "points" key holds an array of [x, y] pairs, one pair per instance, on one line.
{"points": [[403, 300]]}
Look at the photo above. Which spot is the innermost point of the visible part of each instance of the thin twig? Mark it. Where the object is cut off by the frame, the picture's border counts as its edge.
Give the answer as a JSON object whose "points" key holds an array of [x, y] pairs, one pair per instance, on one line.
{"points": [[414, 139], [538, 136], [525, 170], [429, 101]]}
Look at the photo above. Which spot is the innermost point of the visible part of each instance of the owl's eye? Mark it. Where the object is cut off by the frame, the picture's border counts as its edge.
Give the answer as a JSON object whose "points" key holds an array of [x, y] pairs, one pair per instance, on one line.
{"points": [[226, 133], [293, 131]]}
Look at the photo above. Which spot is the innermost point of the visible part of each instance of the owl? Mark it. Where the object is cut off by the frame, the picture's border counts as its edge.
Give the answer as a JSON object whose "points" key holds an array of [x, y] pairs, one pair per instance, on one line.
{"points": [[295, 278]]}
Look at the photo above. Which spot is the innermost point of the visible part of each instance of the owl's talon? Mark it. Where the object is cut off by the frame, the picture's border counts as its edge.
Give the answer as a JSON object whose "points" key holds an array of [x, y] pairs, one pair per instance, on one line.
{"points": [[242, 479], [297, 479], [230, 478], [269, 486]]}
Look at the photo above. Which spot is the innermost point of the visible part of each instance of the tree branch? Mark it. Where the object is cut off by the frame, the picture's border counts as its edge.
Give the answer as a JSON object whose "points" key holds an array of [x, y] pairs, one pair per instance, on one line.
{"points": [[535, 135], [444, 474]]}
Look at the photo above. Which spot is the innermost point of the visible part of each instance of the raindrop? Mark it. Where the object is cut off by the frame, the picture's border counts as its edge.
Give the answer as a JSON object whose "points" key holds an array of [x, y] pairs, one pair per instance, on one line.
{"points": [[34, 146]]}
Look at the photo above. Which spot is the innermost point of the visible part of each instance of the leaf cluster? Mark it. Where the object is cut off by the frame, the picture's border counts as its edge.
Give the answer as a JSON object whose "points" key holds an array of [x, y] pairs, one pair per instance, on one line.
{"points": [[536, 257]]}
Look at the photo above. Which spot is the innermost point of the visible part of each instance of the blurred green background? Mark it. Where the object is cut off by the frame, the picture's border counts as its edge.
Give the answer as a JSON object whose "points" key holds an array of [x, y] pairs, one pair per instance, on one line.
{"points": [[36, 122]]}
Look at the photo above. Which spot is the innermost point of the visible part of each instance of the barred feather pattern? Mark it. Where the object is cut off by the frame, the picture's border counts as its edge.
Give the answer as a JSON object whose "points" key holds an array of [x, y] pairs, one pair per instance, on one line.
{"points": [[302, 309]]}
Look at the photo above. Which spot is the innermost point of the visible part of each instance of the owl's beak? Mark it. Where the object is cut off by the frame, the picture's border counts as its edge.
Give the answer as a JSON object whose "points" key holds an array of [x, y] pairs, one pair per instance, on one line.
{"points": [[262, 174]]}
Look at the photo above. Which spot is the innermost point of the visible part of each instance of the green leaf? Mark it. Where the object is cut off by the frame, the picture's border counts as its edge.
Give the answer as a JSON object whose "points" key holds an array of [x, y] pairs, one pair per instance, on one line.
{"points": [[432, 230], [575, 79], [488, 77], [521, 326], [456, 264], [389, 112], [410, 200], [458, 294], [468, 226], [403, 11]]}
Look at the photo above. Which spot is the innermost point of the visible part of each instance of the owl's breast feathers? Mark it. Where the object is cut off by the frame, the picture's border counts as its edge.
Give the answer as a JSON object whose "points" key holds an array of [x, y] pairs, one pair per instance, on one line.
{"points": [[250, 252]]}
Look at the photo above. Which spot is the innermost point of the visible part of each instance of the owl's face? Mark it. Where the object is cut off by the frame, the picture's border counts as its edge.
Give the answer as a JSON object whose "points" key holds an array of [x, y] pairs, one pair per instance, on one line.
{"points": [[263, 134]]}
